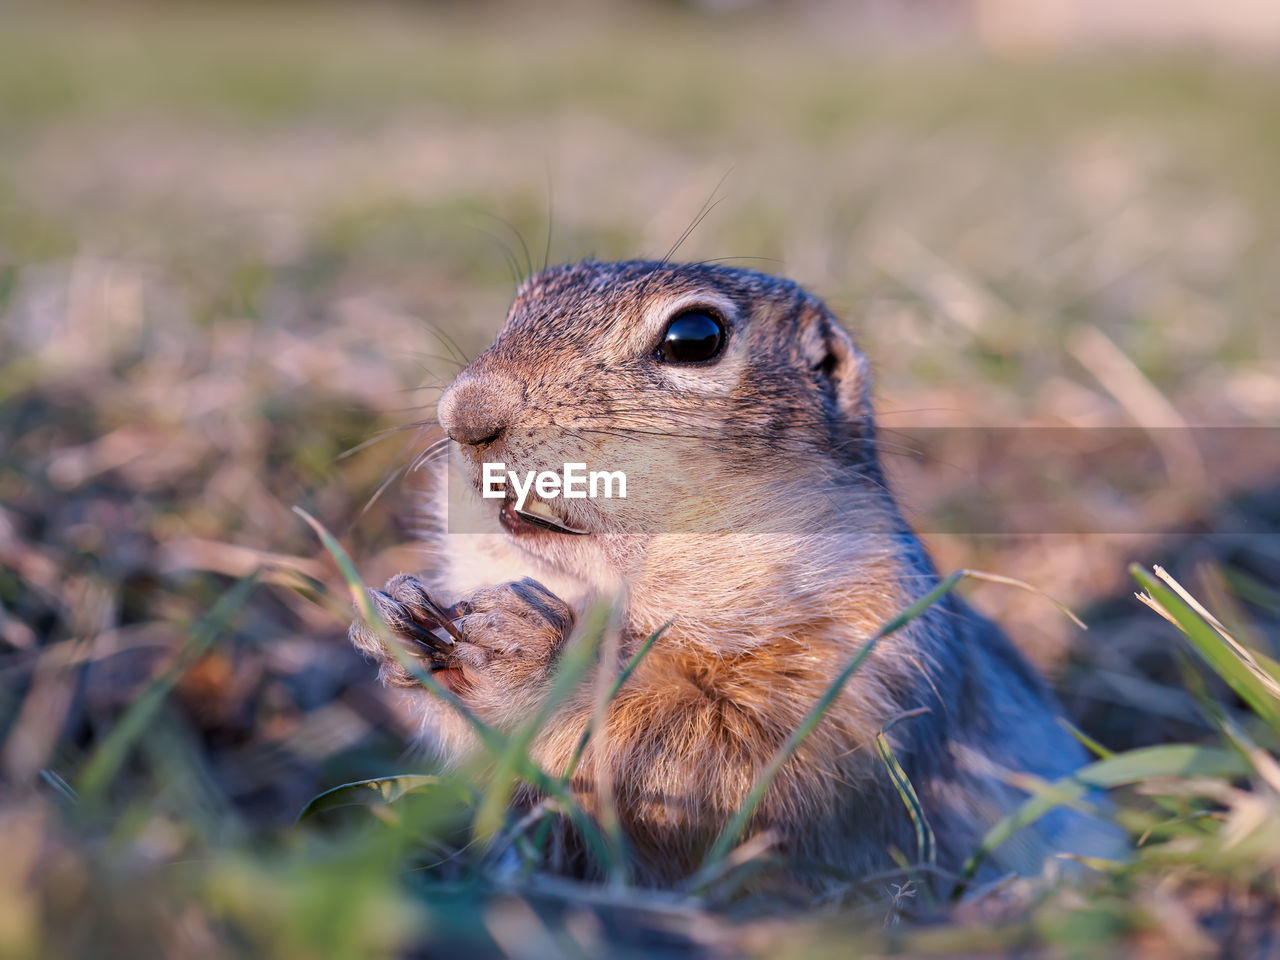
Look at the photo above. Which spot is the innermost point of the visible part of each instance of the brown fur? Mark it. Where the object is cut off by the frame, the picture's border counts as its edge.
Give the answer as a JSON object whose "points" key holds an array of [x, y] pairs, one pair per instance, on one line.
{"points": [[773, 553]]}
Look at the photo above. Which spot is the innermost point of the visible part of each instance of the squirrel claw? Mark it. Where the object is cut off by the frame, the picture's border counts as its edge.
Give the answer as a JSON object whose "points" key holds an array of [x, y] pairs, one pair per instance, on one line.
{"points": [[411, 624], [409, 592]]}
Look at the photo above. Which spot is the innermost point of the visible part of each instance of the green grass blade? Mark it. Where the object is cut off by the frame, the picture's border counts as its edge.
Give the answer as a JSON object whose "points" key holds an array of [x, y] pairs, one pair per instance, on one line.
{"points": [[375, 792], [1086, 741], [491, 738], [1167, 760], [926, 843], [493, 741], [515, 762], [623, 677], [729, 835], [1230, 660], [1262, 762], [733, 829], [573, 666], [114, 748], [1120, 769], [1252, 590]]}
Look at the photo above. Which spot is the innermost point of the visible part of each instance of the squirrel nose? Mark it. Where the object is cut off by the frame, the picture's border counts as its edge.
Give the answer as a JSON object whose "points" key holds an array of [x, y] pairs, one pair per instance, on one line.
{"points": [[475, 410]]}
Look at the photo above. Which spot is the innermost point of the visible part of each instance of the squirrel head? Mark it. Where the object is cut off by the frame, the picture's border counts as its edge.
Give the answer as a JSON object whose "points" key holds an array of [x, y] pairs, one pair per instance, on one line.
{"points": [[732, 400]]}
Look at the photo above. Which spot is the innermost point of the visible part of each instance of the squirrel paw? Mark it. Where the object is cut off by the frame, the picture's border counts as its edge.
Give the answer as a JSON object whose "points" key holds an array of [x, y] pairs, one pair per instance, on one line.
{"points": [[511, 635], [496, 640], [415, 619]]}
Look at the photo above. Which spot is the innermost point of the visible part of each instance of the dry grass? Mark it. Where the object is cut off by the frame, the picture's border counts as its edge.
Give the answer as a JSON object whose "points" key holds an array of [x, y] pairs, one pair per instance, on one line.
{"points": [[225, 242]]}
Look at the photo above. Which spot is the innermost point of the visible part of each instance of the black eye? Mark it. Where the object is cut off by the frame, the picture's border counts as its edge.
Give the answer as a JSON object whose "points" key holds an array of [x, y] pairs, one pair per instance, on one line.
{"points": [[691, 338]]}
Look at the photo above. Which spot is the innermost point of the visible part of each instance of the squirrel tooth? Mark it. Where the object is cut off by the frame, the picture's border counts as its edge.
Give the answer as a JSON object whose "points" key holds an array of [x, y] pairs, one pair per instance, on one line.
{"points": [[538, 508]]}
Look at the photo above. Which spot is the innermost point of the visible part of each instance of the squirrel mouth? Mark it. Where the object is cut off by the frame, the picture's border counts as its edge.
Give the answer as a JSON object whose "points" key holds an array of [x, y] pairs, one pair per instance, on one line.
{"points": [[535, 517]]}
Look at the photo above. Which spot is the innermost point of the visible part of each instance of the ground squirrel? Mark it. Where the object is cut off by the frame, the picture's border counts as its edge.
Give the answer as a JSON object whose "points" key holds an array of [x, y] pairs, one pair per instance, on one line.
{"points": [[774, 550]]}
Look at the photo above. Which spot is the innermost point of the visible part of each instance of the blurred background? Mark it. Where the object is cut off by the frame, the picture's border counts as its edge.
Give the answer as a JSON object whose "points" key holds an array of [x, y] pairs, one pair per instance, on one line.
{"points": [[239, 240]]}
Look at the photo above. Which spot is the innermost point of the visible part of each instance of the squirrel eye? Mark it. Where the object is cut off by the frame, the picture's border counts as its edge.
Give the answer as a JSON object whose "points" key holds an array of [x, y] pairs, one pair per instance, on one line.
{"points": [[693, 337]]}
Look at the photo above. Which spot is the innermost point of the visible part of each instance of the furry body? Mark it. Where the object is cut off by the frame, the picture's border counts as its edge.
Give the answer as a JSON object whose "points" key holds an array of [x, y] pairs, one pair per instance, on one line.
{"points": [[773, 552]]}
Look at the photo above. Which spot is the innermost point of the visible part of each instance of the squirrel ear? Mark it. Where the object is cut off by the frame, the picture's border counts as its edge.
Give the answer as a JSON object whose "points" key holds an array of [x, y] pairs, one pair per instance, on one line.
{"points": [[840, 368]]}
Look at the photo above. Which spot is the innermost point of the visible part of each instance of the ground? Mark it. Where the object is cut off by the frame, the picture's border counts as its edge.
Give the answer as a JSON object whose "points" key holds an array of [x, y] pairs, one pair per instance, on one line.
{"points": [[235, 245]]}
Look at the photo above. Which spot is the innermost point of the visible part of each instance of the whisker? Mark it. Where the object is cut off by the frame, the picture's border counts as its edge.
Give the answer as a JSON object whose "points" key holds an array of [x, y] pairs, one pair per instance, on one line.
{"points": [[513, 264], [415, 408], [425, 456], [382, 488], [688, 232], [434, 356], [391, 478], [546, 252], [450, 344], [709, 260], [524, 247], [378, 437], [707, 206]]}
